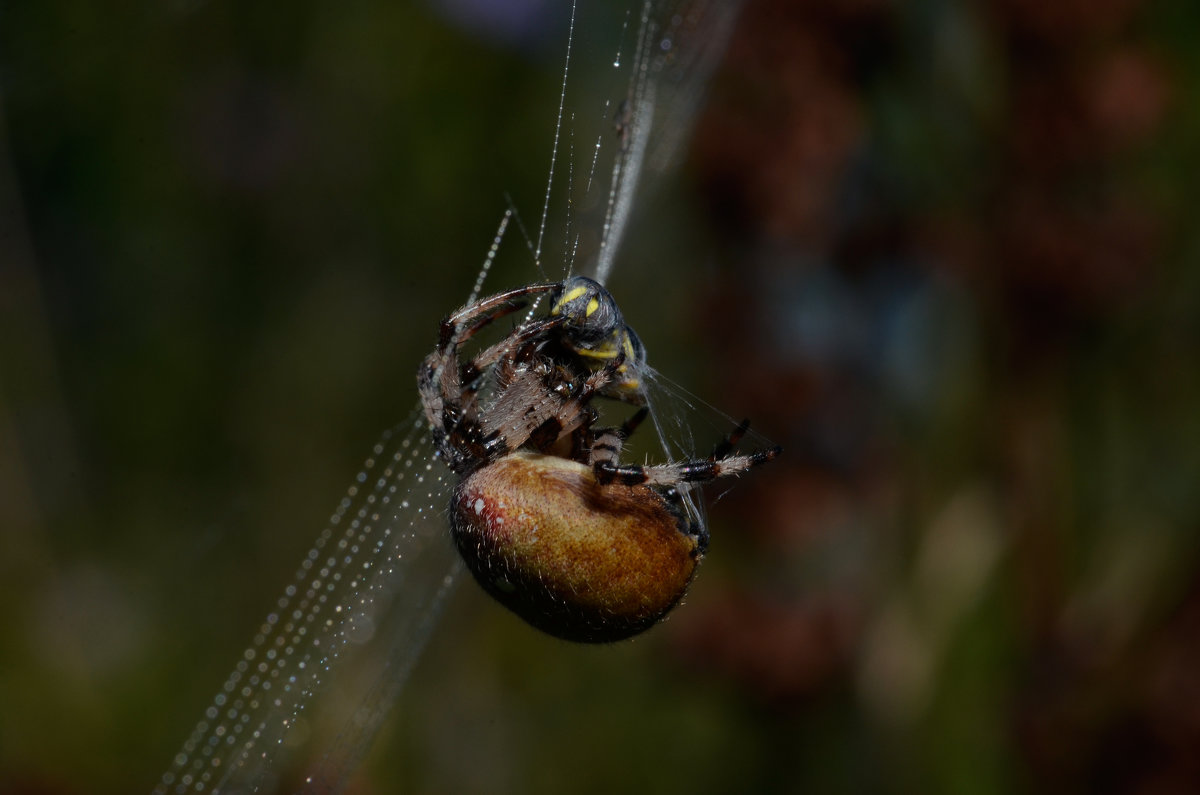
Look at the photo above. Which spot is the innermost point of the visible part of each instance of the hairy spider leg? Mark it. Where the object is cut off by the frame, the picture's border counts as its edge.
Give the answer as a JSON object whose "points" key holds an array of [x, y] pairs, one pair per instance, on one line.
{"points": [[552, 413], [607, 443], [718, 465], [518, 345], [461, 325], [440, 381], [539, 401], [465, 440], [726, 445]]}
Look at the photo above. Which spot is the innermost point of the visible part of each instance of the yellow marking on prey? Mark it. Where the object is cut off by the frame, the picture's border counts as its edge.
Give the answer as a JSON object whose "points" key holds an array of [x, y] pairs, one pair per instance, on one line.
{"points": [[569, 297], [593, 305], [606, 352]]}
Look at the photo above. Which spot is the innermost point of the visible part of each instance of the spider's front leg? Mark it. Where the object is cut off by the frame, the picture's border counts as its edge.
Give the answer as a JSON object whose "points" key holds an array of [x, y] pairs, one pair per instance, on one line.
{"points": [[439, 382], [460, 326], [518, 349], [448, 390]]}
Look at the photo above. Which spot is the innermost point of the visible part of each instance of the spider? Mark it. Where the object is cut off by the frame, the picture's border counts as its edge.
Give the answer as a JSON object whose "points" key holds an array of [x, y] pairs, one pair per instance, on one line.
{"points": [[545, 515]]}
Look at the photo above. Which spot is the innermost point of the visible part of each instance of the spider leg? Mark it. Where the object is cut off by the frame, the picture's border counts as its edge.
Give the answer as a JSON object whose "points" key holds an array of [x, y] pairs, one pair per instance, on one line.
{"points": [[536, 405], [559, 411], [467, 321], [630, 425], [726, 445], [520, 379], [438, 380], [718, 465], [607, 443], [440, 384], [508, 349]]}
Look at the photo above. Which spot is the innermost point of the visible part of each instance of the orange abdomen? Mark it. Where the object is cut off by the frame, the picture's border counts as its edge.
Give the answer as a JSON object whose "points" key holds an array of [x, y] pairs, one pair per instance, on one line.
{"points": [[578, 559]]}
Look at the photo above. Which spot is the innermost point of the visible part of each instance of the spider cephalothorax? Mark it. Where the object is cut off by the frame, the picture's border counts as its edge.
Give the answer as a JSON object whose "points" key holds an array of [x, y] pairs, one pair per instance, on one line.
{"points": [[546, 517]]}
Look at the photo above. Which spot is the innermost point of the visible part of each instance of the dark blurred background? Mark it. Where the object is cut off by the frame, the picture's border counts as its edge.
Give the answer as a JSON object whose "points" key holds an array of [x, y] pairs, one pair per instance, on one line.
{"points": [[942, 252]]}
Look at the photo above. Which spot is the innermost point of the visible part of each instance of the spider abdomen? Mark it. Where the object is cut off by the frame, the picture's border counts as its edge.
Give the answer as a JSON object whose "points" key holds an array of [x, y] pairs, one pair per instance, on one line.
{"points": [[578, 559]]}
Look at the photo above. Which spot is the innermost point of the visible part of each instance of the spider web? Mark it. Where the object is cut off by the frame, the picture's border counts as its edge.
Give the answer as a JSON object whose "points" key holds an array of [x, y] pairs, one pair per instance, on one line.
{"points": [[338, 644]]}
